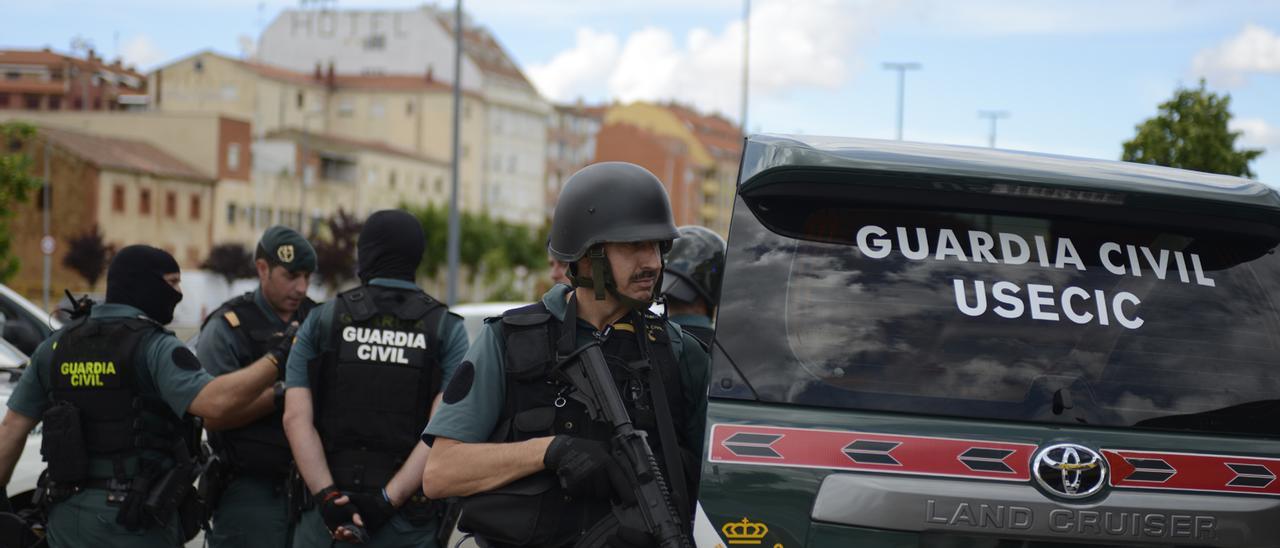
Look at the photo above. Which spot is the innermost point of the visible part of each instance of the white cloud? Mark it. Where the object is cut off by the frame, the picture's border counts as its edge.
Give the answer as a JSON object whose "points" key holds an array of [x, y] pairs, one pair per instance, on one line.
{"points": [[794, 45], [574, 72], [1019, 17], [140, 51], [1253, 50], [1257, 133]]}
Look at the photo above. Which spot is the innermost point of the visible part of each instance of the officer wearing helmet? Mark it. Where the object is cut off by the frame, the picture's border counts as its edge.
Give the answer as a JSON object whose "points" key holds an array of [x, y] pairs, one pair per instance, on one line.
{"points": [[691, 280], [535, 468]]}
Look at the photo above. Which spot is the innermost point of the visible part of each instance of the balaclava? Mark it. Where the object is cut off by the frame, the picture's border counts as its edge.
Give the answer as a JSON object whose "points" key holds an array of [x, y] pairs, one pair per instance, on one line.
{"points": [[136, 278], [390, 245]]}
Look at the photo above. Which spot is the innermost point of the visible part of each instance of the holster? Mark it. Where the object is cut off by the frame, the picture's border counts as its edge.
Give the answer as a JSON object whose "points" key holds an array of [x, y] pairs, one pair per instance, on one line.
{"points": [[297, 497], [63, 445], [213, 483], [169, 492]]}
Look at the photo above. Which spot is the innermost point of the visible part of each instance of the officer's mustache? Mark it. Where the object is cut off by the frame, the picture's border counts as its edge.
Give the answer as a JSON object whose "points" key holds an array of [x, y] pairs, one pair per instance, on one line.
{"points": [[644, 275]]}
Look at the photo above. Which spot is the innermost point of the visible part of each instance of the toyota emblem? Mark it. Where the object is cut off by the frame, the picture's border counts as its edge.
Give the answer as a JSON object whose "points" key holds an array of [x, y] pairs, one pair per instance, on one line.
{"points": [[1069, 470]]}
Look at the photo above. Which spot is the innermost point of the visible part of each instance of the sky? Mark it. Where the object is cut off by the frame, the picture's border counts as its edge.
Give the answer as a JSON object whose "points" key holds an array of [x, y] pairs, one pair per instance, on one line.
{"points": [[1075, 76]]}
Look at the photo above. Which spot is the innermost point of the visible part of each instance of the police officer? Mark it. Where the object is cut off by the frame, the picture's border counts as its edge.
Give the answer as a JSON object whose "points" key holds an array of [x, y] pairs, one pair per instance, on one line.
{"points": [[361, 383], [511, 437], [248, 485], [691, 280], [114, 389]]}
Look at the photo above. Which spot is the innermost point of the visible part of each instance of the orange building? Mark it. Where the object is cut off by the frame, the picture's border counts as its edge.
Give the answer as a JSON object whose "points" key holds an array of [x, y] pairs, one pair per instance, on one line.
{"points": [[44, 80]]}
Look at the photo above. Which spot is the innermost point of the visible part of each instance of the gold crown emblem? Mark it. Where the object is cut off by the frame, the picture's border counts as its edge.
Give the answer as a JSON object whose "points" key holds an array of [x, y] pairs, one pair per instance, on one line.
{"points": [[744, 532], [285, 253]]}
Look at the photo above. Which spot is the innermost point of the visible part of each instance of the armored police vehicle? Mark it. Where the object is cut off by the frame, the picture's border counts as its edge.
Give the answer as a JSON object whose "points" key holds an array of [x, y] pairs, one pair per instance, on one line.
{"points": [[935, 346]]}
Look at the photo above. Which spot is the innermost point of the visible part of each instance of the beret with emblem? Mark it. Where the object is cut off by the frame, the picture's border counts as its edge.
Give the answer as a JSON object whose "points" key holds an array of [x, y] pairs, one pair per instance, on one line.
{"points": [[284, 246]]}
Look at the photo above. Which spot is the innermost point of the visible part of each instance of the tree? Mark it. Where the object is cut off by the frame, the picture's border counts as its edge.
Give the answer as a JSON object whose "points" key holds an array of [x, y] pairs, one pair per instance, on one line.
{"points": [[336, 253], [231, 261], [1191, 132], [88, 255], [15, 182]]}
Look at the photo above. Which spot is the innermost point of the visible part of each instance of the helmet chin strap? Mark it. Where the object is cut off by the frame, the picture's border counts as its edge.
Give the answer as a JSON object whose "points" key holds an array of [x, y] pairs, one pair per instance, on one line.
{"points": [[600, 271]]}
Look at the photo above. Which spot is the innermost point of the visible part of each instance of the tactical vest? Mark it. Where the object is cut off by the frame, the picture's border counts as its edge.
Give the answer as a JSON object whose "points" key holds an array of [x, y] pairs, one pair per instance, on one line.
{"points": [[94, 367], [259, 448], [702, 334], [374, 384], [539, 404]]}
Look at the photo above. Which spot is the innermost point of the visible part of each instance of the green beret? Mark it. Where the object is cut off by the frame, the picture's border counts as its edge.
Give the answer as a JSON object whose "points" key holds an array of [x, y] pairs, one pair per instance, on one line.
{"points": [[284, 246]]}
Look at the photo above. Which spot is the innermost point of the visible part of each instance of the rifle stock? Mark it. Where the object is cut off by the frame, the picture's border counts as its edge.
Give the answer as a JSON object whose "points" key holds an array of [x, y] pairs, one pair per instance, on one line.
{"points": [[630, 447]]}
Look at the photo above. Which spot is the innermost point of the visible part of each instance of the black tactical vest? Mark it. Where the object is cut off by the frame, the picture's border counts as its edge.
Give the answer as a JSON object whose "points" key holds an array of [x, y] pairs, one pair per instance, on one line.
{"points": [[94, 367], [374, 385], [259, 448], [538, 403], [702, 334]]}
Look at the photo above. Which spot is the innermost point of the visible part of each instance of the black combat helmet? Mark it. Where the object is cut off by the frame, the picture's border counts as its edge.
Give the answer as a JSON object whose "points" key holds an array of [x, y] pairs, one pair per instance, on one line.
{"points": [[695, 266], [608, 202]]}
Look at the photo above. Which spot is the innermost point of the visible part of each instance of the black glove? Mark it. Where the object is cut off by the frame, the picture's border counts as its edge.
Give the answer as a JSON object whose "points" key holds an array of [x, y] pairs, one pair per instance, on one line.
{"points": [[583, 465], [374, 510], [338, 516], [282, 347]]}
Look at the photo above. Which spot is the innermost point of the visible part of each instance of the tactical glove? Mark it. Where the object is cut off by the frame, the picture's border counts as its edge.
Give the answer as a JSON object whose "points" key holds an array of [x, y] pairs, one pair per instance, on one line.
{"points": [[338, 516], [374, 509], [280, 352], [584, 466]]}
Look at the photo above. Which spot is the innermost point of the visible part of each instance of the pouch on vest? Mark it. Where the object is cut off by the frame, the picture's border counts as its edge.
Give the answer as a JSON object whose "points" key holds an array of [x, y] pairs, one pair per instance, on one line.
{"points": [[62, 444], [526, 512]]}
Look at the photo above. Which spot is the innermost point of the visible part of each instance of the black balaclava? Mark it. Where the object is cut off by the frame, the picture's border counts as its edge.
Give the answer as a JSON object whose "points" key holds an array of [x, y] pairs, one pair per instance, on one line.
{"points": [[136, 278], [390, 246]]}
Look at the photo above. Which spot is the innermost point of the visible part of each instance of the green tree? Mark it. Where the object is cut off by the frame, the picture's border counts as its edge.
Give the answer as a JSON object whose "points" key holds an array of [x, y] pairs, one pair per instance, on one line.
{"points": [[1191, 132], [15, 183]]}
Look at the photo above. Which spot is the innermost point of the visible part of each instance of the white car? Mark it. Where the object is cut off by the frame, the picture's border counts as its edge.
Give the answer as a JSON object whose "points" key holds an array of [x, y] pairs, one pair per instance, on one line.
{"points": [[22, 323], [27, 471], [473, 314]]}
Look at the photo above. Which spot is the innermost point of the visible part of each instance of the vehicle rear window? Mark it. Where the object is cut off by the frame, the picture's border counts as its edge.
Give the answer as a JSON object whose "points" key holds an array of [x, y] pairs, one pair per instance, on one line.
{"points": [[1031, 318]]}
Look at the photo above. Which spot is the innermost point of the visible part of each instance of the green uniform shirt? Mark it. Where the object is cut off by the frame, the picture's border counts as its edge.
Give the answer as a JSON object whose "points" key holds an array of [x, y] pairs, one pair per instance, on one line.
{"points": [[472, 418], [158, 373], [692, 320], [314, 334], [220, 350]]}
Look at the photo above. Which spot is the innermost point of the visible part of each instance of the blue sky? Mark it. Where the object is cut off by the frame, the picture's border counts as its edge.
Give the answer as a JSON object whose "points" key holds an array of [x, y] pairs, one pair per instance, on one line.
{"points": [[1076, 76]]}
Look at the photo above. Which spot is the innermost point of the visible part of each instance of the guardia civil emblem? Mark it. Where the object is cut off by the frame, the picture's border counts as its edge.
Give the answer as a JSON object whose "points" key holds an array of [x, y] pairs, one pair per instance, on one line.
{"points": [[285, 253]]}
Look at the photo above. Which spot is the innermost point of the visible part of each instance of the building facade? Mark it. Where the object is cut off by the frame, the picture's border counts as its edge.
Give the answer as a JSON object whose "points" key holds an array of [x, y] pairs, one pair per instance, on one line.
{"points": [[511, 144], [131, 190], [571, 145], [43, 80]]}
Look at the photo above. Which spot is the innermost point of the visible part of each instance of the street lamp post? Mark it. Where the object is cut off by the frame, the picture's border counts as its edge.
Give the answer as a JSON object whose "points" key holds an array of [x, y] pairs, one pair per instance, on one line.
{"points": [[902, 69], [993, 115]]}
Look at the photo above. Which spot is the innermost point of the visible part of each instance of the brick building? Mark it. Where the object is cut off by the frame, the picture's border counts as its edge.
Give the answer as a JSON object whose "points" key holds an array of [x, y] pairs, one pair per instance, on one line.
{"points": [[45, 80], [133, 191]]}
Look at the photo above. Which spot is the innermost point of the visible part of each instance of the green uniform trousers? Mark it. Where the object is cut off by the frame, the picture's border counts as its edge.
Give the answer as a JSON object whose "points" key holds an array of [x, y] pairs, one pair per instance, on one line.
{"points": [[252, 512], [397, 533], [85, 520]]}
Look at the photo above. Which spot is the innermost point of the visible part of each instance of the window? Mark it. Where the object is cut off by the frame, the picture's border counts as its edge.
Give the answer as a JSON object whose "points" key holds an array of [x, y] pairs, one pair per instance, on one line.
{"points": [[144, 202], [40, 197], [391, 179], [97, 103], [4, 100], [12, 75], [233, 156], [376, 42], [55, 102], [301, 100], [422, 184], [117, 198], [170, 204], [1004, 317], [439, 185], [199, 65], [377, 109], [31, 101], [345, 107], [231, 214], [195, 207], [408, 107]]}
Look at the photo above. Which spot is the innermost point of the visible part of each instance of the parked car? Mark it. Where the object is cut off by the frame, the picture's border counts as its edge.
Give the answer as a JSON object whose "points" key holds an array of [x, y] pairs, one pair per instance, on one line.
{"points": [[474, 314], [22, 323], [13, 363], [925, 345]]}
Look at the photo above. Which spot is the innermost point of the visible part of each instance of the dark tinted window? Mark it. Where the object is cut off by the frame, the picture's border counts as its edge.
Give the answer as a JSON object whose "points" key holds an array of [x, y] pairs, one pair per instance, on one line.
{"points": [[1000, 316]]}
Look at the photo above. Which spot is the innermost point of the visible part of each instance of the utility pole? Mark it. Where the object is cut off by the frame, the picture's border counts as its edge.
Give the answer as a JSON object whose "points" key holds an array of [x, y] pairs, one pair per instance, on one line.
{"points": [[746, 60], [902, 69], [44, 213], [993, 115], [457, 156]]}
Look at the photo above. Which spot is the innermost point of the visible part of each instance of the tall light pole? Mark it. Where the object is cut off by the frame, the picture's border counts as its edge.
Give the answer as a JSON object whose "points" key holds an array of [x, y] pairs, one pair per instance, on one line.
{"points": [[993, 115], [902, 69], [457, 156], [746, 60]]}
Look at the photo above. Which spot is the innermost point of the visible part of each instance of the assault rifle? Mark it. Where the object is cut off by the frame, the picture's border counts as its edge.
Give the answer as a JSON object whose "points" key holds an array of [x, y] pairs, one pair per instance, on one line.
{"points": [[587, 370]]}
